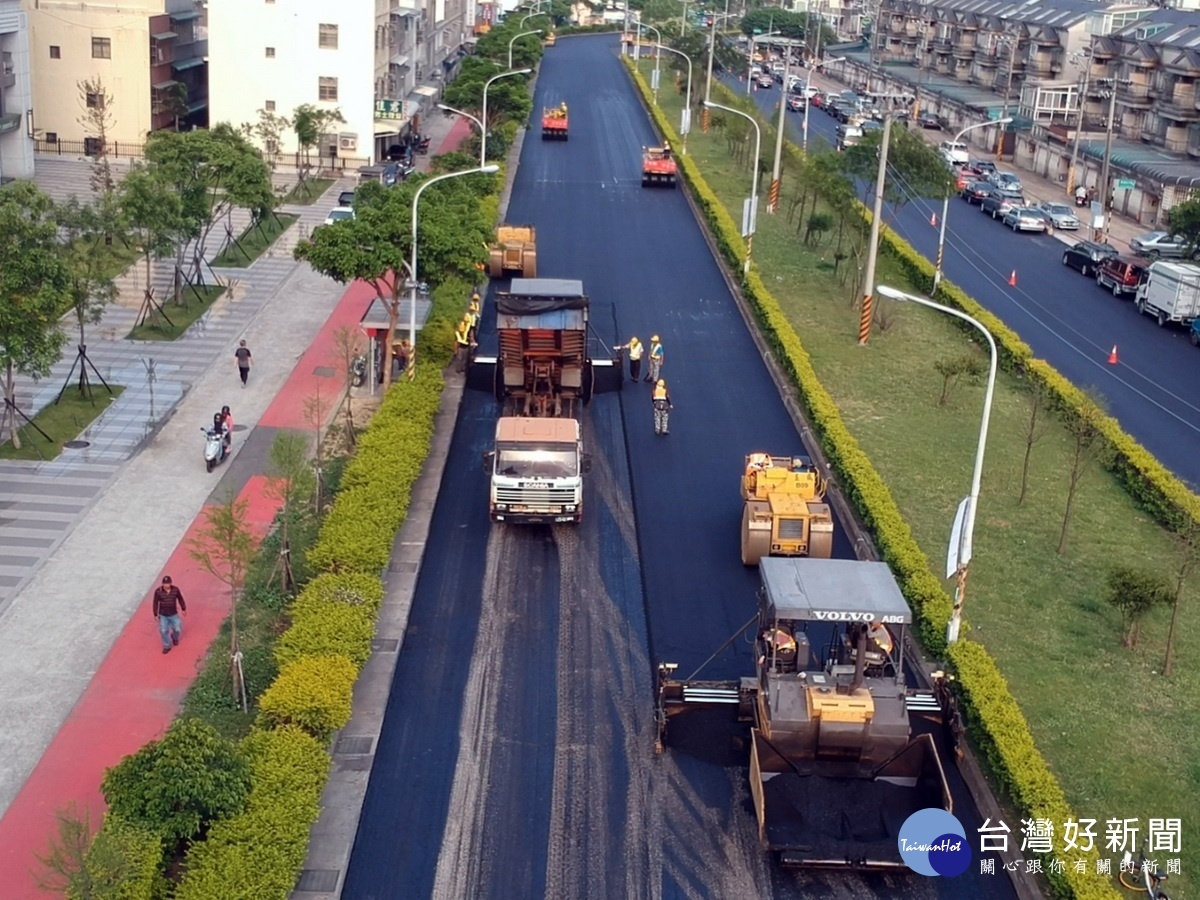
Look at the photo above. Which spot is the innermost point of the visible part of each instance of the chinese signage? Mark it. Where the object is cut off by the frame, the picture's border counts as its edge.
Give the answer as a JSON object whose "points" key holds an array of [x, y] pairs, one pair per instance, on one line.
{"points": [[389, 109]]}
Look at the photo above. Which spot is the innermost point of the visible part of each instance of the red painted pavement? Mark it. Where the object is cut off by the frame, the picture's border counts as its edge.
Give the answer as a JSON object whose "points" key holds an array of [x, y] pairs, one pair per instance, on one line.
{"points": [[131, 699], [287, 410], [459, 132], [137, 691]]}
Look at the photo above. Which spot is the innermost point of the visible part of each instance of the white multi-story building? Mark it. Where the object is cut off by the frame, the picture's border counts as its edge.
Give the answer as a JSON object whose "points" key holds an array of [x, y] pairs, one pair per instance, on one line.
{"points": [[16, 145]]}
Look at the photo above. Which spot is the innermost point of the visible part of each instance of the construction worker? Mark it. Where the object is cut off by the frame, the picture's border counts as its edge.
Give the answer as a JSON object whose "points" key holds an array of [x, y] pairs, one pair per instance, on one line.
{"points": [[562, 108], [656, 359], [462, 344], [635, 358], [666, 148], [662, 406], [783, 643], [879, 639], [473, 314]]}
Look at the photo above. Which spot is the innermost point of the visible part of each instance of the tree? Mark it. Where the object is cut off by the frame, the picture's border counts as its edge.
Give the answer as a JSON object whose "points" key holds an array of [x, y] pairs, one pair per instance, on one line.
{"points": [[347, 344], [793, 25], [1036, 427], [915, 168], [1187, 555], [176, 102], [269, 130], [178, 785], [153, 211], [89, 229], [224, 547], [34, 282], [310, 124], [376, 244], [289, 482], [508, 98], [97, 121], [953, 369], [84, 866], [1133, 593], [1184, 220], [1087, 445]]}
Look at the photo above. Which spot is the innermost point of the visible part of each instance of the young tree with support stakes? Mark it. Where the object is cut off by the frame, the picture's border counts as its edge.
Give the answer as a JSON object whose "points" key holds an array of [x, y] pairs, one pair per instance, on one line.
{"points": [[268, 130], [89, 228], [34, 281], [224, 547], [97, 122], [310, 124], [347, 345], [290, 481], [1134, 593], [154, 214], [1187, 557], [1087, 446]]}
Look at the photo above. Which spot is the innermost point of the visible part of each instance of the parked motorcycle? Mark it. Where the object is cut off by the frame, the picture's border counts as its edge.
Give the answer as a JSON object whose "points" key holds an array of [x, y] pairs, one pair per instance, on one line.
{"points": [[358, 370], [423, 146], [214, 448]]}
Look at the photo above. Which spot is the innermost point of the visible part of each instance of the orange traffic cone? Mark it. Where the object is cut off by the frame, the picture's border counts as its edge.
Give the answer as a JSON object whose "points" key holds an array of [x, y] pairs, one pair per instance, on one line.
{"points": [[1012, 279], [1112, 356], [933, 219]]}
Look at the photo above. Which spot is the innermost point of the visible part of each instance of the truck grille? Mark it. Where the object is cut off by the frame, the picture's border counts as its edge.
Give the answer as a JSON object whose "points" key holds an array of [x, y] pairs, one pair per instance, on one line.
{"points": [[536, 498], [791, 529]]}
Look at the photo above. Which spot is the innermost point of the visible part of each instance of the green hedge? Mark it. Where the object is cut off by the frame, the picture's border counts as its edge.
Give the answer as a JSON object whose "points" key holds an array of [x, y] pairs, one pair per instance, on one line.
{"points": [[328, 629], [122, 863], [995, 718], [313, 692], [257, 854]]}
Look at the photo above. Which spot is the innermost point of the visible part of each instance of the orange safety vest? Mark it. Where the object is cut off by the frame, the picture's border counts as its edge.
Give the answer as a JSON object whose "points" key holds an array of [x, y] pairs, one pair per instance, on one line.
{"points": [[460, 335], [660, 393]]}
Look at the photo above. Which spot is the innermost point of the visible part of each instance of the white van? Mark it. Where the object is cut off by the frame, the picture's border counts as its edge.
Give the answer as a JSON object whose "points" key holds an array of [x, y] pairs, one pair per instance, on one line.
{"points": [[955, 152]]}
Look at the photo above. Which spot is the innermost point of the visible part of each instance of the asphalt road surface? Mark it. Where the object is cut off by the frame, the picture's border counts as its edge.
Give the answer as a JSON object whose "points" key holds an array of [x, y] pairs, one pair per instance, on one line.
{"points": [[1070, 322], [516, 759]]}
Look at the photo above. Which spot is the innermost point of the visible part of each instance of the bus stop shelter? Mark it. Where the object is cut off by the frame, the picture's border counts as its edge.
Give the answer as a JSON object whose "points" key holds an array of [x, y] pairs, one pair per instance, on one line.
{"points": [[374, 324]]}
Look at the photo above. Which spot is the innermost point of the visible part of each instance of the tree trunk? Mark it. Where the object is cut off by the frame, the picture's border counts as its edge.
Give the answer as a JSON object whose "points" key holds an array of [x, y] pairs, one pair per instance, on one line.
{"points": [[1025, 472], [1063, 538], [1169, 654], [9, 414]]}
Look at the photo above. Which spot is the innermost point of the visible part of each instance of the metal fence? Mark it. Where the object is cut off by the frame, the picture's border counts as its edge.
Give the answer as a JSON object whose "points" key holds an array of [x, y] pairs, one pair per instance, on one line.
{"points": [[90, 147]]}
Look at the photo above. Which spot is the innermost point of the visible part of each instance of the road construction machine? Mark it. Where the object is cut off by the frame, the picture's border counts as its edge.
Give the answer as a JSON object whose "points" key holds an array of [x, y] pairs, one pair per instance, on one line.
{"points": [[515, 250], [544, 373], [555, 123], [784, 511], [658, 166], [841, 751]]}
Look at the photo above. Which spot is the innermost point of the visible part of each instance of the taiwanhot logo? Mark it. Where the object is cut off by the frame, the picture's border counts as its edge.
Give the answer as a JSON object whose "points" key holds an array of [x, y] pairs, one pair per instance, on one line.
{"points": [[933, 842]]}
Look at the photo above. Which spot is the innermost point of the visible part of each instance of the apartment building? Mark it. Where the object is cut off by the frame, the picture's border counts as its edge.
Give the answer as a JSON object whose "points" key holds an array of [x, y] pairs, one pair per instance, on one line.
{"points": [[16, 146], [378, 63], [147, 56]]}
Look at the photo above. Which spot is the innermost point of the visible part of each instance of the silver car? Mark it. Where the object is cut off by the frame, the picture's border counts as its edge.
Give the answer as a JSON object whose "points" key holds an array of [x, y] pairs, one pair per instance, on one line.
{"points": [[1025, 218], [1155, 244], [1060, 216]]}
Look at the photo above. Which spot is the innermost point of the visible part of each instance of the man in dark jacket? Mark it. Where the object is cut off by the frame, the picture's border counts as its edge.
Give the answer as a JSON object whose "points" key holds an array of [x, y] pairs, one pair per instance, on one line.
{"points": [[169, 607]]}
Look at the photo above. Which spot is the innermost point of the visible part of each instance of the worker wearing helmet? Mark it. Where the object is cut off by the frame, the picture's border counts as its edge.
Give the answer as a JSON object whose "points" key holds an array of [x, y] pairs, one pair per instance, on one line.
{"points": [[662, 406], [462, 344], [473, 315], [780, 645], [635, 357], [879, 639], [656, 359]]}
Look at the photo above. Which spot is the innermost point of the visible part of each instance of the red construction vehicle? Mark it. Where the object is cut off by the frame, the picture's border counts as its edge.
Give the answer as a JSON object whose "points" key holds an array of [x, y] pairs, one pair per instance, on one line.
{"points": [[554, 123], [658, 166]]}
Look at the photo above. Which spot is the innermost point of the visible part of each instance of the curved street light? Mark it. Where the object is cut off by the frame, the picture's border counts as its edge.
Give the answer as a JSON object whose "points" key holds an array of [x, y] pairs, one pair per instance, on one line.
{"points": [[483, 116], [466, 115], [517, 37], [657, 55], [959, 557], [412, 262], [748, 217], [750, 57], [941, 248], [808, 99], [685, 120], [537, 11]]}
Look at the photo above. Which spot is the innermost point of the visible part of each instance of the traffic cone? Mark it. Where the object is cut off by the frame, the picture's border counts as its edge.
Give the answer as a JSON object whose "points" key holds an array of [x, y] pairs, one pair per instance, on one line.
{"points": [[1012, 279], [933, 219], [1112, 356]]}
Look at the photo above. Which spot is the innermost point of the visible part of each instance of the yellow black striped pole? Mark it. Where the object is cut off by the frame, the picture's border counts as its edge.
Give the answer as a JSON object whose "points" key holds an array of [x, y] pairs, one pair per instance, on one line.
{"points": [[864, 324], [773, 195]]}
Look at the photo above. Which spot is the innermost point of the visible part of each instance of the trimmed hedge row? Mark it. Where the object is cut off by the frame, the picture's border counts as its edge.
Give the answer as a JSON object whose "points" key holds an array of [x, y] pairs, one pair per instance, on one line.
{"points": [[995, 718], [123, 862]]}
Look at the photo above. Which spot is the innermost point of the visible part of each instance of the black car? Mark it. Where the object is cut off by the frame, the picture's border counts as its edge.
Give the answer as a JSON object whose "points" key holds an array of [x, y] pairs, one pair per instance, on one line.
{"points": [[999, 201], [1086, 256], [346, 198], [977, 190], [930, 120]]}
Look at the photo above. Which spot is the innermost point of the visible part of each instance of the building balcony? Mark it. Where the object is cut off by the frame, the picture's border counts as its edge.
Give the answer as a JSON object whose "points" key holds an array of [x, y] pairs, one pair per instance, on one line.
{"points": [[1179, 112], [1176, 145], [986, 60], [1137, 95]]}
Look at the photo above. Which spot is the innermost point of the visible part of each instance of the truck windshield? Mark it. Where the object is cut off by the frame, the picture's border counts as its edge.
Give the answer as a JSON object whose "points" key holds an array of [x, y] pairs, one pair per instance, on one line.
{"points": [[518, 463]]}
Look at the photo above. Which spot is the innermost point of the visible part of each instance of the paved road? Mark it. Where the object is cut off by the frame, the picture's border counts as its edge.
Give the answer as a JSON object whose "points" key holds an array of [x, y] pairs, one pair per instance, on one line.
{"points": [[517, 758], [1065, 318]]}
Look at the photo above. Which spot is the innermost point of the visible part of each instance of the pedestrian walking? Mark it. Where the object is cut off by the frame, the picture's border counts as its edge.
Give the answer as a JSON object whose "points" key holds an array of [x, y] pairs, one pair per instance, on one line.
{"points": [[662, 406], [635, 358], [242, 354], [169, 608], [656, 359]]}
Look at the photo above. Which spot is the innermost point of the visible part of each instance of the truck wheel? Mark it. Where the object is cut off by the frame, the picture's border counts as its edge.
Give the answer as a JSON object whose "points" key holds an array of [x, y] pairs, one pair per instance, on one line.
{"points": [[1194, 337], [1162, 318], [1117, 292], [1141, 306], [1065, 262]]}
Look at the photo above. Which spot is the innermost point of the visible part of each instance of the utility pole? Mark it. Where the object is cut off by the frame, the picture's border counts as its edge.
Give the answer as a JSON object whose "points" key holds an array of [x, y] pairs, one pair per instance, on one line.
{"points": [[868, 303], [1087, 72], [776, 169], [1106, 190], [1012, 60]]}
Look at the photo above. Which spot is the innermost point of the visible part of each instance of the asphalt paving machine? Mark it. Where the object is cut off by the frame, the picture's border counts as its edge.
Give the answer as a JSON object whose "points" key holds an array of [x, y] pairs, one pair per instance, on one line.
{"points": [[555, 123], [784, 511], [836, 765], [658, 166]]}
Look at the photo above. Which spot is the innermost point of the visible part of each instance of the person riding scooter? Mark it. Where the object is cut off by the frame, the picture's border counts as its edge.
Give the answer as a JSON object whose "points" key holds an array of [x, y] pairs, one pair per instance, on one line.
{"points": [[218, 427], [227, 418]]}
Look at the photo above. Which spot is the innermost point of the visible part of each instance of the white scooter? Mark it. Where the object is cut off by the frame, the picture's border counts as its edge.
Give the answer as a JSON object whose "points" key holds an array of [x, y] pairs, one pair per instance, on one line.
{"points": [[214, 449]]}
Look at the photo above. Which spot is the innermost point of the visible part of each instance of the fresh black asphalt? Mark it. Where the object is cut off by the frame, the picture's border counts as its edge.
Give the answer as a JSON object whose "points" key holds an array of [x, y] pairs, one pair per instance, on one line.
{"points": [[517, 758]]}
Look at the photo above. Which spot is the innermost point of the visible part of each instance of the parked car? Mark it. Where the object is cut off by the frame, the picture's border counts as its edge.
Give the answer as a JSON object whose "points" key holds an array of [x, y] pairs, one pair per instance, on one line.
{"points": [[982, 165], [998, 202], [965, 177], [1005, 180], [977, 190], [386, 174], [929, 120], [1059, 215], [346, 198], [796, 103], [338, 215], [1122, 274], [818, 99], [765, 81], [1156, 244], [1025, 218], [955, 152], [1086, 256]]}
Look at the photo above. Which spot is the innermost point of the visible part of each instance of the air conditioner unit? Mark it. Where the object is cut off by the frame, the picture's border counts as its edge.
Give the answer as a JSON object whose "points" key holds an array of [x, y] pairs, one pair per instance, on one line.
{"points": [[348, 142]]}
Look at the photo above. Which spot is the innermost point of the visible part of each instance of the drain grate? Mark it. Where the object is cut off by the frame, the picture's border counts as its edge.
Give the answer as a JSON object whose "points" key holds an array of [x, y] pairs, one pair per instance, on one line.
{"points": [[353, 745], [77, 445], [323, 371], [318, 881], [385, 645]]}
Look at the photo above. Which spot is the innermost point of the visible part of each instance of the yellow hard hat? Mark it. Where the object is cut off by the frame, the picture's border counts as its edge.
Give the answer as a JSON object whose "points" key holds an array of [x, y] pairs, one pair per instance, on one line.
{"points": [[662, 382], [654, 337], [634, 340]]}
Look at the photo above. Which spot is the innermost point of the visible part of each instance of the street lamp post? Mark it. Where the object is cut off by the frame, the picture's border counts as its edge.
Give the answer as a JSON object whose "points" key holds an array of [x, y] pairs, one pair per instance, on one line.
{"points": [[1110, 94], [537, 11], [483, 117], [412, 261], [712, 45], [1013, 44], [750, 62], [467, 115], [657, 55], [685, 121], [777, 165], [959, 557], [517, 37], [749, 213], [808, 99], [941, 248]]}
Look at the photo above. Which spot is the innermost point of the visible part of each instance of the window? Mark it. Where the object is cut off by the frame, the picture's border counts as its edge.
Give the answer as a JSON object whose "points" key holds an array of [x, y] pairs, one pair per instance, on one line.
{"points": [[327, 38], [270, 53], [55, 51], [51, 137], [95, 101], [326, 88], [269, 106], [101, 48]]}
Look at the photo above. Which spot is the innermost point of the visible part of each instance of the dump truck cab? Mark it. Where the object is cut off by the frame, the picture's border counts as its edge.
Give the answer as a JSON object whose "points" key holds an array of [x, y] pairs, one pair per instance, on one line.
{"points": [[537, 470], [784, 512]]}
